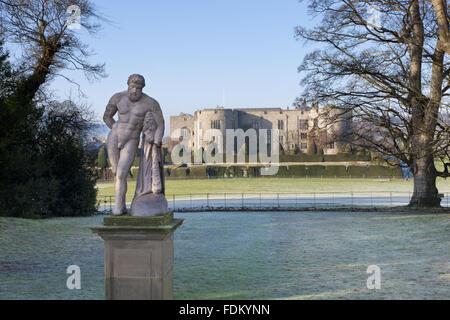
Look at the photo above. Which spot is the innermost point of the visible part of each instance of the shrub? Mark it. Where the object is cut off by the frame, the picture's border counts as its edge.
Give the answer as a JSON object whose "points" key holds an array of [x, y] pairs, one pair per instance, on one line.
{"points": [[253, 171], [166, 155], [102, 161], [212, 171], [136, 161]]}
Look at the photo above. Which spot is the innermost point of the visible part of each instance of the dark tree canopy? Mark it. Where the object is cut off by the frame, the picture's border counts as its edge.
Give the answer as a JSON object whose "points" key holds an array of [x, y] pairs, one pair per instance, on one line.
{"points": [[45, 169]]}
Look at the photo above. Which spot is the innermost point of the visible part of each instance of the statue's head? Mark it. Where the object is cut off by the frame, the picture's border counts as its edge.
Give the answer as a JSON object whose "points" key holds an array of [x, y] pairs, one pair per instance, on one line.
{"points": [[135, 84]]}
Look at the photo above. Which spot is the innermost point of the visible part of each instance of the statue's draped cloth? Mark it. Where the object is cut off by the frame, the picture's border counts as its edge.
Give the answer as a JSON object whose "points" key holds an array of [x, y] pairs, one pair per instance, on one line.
{"points": [[150, 175]]}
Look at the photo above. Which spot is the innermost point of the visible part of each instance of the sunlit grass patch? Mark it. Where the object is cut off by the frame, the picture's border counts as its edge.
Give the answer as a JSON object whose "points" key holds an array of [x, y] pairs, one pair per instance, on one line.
{"points": [[273, 185]]}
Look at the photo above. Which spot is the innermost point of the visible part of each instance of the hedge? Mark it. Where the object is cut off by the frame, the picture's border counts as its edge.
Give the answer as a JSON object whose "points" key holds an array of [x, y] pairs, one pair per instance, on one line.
{"points": [[134, 172], [336, 171], [315, 171], [347, 157], [212, 171], [197, 172], [178, 172], [378, 171], [302, 157], [283, 171], [357, 171]]}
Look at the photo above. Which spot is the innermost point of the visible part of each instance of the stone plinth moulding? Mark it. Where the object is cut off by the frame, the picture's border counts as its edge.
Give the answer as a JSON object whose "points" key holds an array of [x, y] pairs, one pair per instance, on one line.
{"points": [[138, 256]]}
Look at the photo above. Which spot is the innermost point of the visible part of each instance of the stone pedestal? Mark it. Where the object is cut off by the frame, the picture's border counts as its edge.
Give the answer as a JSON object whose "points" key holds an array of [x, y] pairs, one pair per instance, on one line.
{"points": [[138, 256]]}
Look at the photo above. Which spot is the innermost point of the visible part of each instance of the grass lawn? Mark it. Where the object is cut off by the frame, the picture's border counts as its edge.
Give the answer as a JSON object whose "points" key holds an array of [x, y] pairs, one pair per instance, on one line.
{"points": [[245, 255], [249, 185]]}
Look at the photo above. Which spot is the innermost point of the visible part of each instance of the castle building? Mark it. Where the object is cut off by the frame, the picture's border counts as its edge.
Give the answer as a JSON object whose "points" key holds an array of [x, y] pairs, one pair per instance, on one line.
{"points": [[327, 128]]}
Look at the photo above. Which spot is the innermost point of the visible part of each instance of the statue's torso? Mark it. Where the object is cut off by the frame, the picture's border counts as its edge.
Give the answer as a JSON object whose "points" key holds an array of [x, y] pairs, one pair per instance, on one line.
{"points": [[131, 116]]}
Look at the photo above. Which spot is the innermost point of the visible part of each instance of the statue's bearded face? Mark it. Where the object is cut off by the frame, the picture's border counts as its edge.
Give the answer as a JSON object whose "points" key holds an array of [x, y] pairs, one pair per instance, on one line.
{"points": [[134, 92]]}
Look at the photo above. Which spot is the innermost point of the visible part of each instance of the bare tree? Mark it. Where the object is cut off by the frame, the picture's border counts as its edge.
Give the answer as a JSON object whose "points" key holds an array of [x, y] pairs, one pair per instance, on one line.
{"points": [[391, 74], [49, 44], [441, 9]]}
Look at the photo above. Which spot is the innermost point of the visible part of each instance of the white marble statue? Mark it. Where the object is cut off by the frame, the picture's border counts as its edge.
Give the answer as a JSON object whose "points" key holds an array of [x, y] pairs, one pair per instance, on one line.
{"points": [[137, 113]]}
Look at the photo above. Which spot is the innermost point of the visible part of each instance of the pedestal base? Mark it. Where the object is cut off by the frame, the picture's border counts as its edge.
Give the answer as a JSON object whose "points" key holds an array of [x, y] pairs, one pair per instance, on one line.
{"points": [[149, 205], [138, 256]]}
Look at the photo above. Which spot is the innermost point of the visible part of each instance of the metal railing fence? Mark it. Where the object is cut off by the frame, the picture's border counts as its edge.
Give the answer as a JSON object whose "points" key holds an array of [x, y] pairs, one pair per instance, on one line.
{"points": [[278, 201]]}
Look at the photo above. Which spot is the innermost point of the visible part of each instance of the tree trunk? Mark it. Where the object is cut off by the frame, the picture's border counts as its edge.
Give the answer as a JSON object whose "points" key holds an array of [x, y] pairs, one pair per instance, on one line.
{"points": [[440, 7], [425, 191], [30, 86], [423, 116]]}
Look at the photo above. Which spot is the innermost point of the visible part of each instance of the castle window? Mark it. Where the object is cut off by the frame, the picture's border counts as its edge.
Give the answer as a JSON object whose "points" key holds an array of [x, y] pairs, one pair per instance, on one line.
{"points": [[303, 136], [316, 123], [215, 124], [303, 124], [304, 146], [331, 145], [185, 132], [280, 124]]}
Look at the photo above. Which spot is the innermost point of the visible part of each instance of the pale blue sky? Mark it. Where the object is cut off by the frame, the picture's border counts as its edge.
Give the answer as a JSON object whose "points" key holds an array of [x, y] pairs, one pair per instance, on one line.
{"points": [[190, 51]]}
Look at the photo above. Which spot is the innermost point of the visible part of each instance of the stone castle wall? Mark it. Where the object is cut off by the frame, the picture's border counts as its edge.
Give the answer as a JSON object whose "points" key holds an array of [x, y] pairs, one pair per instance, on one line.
{"points": [[326, 127]]}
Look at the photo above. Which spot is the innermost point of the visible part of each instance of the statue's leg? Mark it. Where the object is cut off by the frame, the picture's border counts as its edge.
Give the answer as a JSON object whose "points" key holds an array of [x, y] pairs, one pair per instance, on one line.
{"points": [[113, 150], [127, 154]]}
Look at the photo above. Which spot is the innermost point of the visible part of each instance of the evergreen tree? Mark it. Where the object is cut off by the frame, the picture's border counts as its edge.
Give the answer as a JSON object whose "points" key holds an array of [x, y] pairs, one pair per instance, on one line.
{"points": [[102, 161], [45, 169]]}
